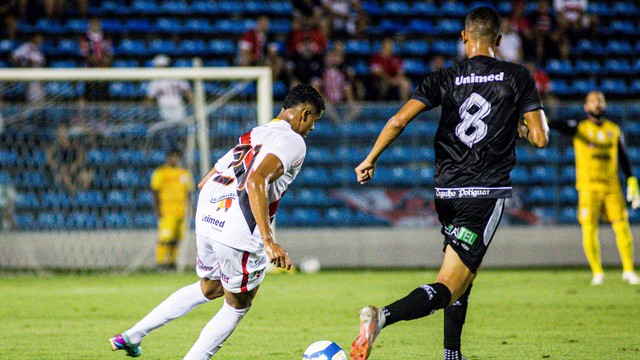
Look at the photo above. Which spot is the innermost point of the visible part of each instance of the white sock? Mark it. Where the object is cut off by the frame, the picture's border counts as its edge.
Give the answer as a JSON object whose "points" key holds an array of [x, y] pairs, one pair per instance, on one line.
{"points": [[176, 305], [217, 330]]}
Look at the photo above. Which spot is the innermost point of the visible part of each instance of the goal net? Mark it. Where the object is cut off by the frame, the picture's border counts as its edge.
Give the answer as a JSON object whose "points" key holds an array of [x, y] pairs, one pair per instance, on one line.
{"points": [[79, 147]]}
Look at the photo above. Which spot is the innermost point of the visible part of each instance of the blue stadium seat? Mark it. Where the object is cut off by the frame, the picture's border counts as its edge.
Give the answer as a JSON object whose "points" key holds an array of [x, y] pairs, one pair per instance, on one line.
{"points": [[82, 220], [144, 199], [415, 67], [229, 26], [25, 221], [168, 25], [62, 89], [192, 47], [133, 47], [342, 176], [123, 90], [32, 180], [222, 47], [144, 220], [426, 8], [391, 26], [112, 26], [520, 175], [360, 68], [139, 26], [7, 46], [559, 66], [280, 26], [363, 219], [587, 66], [101, 157], [349, 155], [635, 86], [372, 8], [204, 7], [339, 217], [589, 47], [583, 86], [568, 155], [619, 47], [569, 194], [614, 86], [56, 200], [456, 9], [599, 8], [425, 176], [49, 26], [357, 47], [51, 221], [319, 155], [146, 7], [8, 158], [624, 8], [89, 199], [568, 215], [27, 201], [121, 63], [560, 87], [281, 8], [284, 218], [5, 178], [449, 26], [126, 178], [395, 8], [120, 198], [541, 195], [307, 217], [174, 7], [313, 176], [398, 155], [217, 62], [625, 27], [425, 154], [421, 26], [445, 47], [543, 175], [617, 66], [117, 220], [162, 46], [67, 63], [198, 26]]}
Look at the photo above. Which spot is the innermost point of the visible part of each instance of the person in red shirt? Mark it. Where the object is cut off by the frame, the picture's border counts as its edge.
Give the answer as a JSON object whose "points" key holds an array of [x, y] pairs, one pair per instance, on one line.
{"points": [[253, 43], [387, 71], [543, 82]]}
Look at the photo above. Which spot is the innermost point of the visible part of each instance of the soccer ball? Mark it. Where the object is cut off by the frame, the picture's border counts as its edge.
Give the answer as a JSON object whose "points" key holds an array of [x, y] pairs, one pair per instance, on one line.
{"points": [[324, 350], [310, 265]]}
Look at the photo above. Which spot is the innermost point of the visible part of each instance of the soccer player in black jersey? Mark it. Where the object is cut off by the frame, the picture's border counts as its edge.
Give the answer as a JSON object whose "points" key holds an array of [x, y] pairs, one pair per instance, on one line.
{"points": [[483, 100]]}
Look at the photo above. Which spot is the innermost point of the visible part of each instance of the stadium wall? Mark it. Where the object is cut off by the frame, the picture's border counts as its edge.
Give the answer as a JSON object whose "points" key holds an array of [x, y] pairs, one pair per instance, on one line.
{"points": [[517, 247]]}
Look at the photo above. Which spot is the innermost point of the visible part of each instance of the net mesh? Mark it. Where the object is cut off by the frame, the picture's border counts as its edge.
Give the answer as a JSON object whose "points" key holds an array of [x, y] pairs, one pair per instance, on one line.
{"points": [[76, 162]]}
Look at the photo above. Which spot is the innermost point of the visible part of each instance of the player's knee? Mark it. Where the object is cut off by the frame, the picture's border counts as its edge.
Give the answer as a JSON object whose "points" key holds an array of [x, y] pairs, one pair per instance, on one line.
{"points": [[211, 289]]}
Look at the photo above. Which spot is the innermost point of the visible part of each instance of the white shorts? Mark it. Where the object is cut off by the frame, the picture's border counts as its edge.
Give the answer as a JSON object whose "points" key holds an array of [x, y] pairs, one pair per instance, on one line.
{"points": [[237, 270]]}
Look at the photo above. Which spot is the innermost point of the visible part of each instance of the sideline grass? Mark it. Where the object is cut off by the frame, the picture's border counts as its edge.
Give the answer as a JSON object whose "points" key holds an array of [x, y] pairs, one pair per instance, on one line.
{"points": [[514, 314]]}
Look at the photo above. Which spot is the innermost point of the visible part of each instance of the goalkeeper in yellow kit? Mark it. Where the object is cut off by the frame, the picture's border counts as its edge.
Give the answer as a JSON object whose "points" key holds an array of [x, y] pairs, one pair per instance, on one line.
{"points": [[171, 186], [599, 150]]}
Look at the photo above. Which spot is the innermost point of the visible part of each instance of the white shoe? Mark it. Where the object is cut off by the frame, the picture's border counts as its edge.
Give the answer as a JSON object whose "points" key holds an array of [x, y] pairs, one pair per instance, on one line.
{"points": [[630, 277], [598, 279]]}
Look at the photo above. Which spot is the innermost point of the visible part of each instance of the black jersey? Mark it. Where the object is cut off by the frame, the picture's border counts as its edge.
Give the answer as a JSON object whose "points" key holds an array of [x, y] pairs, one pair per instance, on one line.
{"points": [[482, 101]]}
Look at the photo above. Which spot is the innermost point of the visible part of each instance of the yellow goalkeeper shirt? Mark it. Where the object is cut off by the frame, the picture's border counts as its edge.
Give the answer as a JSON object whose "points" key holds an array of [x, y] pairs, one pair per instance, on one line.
{"points": [[173, 184], [596, 151]]}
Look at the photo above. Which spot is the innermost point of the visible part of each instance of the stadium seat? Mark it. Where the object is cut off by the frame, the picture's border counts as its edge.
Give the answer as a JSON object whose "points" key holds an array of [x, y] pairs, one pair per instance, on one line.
{"points": [[619, 47], [396, 8], [614, 86], [617, 67], [425, 154], [624, 8], [33, 180], [539, 195], [583, 86], [8, 158], [319, 156], [162, 46], [543, 175], [27, 201], [364, 219], [520, 176], [222, 47], [174, 7], [101, 157], [560, 87], [445, 47], [67, 63], [307, 217], [314, 176], [56, 200], [342, 176], [587, 67], [425, 176], [227, 26], [192, 47], [139, 26], [425, 8], [198, 26], [89, 199], [569, 194], [82, 220], [421, 26], [168, 25], [339, 217], [357, 47], [559, 67], [132, 47], [599, 8], [117, 220], [415, 67], [126, 178], [144, 220], [51, 221], [449, 26], [25, 221], [144, 7], [7, 46], [120, 198], [144, 199], [625, 27], [568, 215]]}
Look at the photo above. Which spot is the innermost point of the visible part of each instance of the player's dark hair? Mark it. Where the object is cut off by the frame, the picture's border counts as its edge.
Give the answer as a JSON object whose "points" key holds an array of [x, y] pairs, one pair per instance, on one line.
{"points": [[174, 151], [483, 22], [304, 94]]}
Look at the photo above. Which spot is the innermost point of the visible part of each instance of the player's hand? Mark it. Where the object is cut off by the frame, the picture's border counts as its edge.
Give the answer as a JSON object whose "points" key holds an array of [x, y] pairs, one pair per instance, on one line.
{"points": [[523, 130], [277, 255], [633, 192], [365, 170]]}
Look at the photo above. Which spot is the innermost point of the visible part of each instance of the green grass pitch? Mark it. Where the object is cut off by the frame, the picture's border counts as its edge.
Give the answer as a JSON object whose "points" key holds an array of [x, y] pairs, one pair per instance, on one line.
{"points": [[514, 314]]}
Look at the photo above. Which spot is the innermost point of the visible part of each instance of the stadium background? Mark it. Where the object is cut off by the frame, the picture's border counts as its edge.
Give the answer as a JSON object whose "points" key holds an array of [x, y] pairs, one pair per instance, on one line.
{"points": [[325, 213]]}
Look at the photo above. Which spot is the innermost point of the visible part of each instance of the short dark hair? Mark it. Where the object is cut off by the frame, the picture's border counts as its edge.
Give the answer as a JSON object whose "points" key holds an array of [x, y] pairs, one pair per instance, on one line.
{"points": [[174, 151], [483, 22], [304, 94]]}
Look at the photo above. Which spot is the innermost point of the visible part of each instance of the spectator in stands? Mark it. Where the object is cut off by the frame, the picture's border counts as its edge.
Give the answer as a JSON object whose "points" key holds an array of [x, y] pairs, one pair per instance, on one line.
{"points": [[253, 44], [171, 186], [543, 83], [337, 87], [388, 74], [522, 26], [306, 30], [511, 47], [600, 153], [8, 197], [169, 93], [55, 8], [97, 50], [30, 55], [8, 16], [437, 63], [342, 17], [66, 161], [550, 40], [307, 65], [573, 14]]}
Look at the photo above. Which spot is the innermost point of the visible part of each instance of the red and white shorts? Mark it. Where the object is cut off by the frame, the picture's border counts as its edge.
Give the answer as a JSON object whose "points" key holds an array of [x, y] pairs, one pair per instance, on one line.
{"points": [[237, 270]]}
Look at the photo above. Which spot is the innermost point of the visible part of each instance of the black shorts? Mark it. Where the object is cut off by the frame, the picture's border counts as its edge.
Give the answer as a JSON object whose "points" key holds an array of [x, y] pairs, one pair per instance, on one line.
{"points": [[468, 225]]}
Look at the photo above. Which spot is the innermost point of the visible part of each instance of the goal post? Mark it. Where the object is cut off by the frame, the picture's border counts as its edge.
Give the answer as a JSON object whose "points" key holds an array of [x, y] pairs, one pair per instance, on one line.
{"points": [[109, 224]]}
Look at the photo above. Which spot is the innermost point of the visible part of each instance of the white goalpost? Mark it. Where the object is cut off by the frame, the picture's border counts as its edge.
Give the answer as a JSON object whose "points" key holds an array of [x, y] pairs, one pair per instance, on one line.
{"points": [[108, 224]]}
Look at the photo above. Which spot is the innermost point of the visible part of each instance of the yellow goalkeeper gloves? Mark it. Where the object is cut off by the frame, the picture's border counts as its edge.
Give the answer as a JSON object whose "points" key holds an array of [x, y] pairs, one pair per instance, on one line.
{"points": [[633, 192]]}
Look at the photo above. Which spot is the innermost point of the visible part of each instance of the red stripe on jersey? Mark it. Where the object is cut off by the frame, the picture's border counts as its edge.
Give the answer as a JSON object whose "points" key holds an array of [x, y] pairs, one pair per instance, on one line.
{"points": [[246, 140], [273, 207], [245, 273]]}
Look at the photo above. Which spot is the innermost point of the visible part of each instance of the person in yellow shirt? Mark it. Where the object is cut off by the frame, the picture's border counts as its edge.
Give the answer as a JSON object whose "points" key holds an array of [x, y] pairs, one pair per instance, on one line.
{"points": [[172, 186], [600, 152]]}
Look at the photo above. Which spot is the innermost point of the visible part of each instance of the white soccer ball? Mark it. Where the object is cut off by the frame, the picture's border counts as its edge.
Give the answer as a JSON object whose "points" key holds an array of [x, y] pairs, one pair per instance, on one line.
{"points": [[310, 265], [324, 350]]}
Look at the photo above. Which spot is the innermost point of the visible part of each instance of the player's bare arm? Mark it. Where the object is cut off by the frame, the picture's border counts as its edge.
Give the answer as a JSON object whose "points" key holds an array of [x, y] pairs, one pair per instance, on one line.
{"points": [[207, 177], [535, 128], [389, 133], [267, 172]]}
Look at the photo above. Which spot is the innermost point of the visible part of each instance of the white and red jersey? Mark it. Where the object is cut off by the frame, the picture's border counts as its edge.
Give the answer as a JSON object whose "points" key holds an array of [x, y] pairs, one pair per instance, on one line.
{"points": [[224, 213], [168, 91]]}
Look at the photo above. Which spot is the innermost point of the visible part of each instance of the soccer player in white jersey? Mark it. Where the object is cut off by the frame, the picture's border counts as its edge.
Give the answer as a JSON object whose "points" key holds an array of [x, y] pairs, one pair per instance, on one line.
{"points": [[237, 203], [169, 93]]}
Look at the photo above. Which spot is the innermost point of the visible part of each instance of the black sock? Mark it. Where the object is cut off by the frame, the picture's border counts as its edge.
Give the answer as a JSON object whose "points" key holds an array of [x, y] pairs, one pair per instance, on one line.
{"points": [[454, 318], [421, 302]]}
